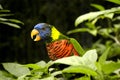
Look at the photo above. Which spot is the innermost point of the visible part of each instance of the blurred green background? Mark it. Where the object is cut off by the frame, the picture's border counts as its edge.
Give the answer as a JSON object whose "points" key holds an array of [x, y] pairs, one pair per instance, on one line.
{"points": [[16, 44]]}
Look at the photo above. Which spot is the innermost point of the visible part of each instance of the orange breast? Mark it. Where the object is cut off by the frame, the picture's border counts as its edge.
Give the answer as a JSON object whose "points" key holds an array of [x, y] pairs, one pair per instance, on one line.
{"points": [[61, 48]]}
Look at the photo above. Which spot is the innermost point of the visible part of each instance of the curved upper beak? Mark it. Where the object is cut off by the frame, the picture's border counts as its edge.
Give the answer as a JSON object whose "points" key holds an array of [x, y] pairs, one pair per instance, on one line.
{"points": [[35, 35]]}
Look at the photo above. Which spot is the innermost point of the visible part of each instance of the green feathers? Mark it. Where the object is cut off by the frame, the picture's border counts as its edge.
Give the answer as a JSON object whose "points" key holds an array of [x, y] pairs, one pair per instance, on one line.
{"points": [[55, 35]]}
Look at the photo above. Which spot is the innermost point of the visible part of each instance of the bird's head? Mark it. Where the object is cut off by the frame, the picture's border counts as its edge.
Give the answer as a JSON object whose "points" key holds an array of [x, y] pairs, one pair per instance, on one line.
{"points": [[43, 31]]}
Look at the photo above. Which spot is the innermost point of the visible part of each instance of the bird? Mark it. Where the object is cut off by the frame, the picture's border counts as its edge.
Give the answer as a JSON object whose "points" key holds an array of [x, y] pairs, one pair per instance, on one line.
{"points": [[57, 44]]}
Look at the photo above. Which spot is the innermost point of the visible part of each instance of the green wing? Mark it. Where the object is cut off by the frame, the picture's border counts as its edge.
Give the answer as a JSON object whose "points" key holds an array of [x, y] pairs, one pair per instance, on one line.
{"points": [[57, 35], [75, 43], [77, 46]]}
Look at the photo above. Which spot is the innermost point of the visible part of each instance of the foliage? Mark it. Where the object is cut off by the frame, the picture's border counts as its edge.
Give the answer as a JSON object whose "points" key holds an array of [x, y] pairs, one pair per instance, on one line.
{"points": [[94, 64], [10, 22], [79, 68], [115, 1], [104, 25]]}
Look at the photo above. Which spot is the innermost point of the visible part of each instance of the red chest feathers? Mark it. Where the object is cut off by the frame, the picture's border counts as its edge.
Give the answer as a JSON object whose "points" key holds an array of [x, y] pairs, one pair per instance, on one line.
{"points": [[59, 49]]}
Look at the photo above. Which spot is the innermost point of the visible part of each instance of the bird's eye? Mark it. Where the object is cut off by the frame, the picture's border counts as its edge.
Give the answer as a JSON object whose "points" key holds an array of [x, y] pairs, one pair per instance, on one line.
{"points": [[43, 28]]}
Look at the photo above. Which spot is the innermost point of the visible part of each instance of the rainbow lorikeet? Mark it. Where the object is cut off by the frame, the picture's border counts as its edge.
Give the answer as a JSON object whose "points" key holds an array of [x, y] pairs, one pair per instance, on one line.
{"points": [[57, 44]]}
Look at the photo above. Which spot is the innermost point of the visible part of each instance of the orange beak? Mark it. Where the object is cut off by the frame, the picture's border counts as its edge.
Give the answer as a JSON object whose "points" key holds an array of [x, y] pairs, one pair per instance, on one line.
{"points": [[35, 33]]}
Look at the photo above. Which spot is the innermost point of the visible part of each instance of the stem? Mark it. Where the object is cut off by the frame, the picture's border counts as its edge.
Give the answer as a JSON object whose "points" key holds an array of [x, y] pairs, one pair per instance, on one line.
{"points": [[115, 39]]}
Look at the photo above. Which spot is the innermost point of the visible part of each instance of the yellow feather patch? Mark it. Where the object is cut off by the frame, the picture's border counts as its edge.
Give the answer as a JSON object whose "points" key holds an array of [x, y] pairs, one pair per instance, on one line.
{"points": [[55, 33]]}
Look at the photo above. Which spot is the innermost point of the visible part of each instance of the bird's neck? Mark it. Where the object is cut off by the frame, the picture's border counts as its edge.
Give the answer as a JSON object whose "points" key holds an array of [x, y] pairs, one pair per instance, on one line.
{"points": [[56, 35]]}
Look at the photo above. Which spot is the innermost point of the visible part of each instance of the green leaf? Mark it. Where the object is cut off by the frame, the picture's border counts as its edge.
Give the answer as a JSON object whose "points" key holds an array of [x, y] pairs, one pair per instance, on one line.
{"points": [[36, 66], [103, 57], [1, 6], [77, 46], [116, 18], [6, 76], [48, 78], [15, 21], [97, 6], [42, 64], [87, 16], [89, 59], [77, 30], [11, 20], [110, 15], [16, 69], [11, 24], [3, 19], [80, 69], [114, 51], [33, 66], [110, 67], [114, 1], [72, 60], [83, 78], [90, 25], [2, 15], [93, 15], [3, 10], [56, 73], [91, 31], [105, 32]]}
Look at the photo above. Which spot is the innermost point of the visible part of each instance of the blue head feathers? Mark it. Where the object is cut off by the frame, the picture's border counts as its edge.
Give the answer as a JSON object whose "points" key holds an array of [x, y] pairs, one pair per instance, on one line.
{"points": [[44, 30]]}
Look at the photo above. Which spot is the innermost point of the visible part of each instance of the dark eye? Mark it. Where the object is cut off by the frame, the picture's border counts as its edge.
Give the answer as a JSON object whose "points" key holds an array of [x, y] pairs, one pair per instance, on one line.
{"points": [[43, 28]]}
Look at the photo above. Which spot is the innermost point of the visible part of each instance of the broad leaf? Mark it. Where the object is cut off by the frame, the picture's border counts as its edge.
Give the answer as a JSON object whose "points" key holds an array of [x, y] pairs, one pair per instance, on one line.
{"points": [[48, 78], [114, 1], [91, 31], [110, 15], [87, 16], [83, 78], [56, 73], [16, 69], [88, 59], [105, 32], [93, 15], [6, 76], [33, 66], [38, 65], [103, 57], [97, 6], [80, 69], [72, 60], [114, 51], [116, 18], [42, 64], [90, 25], [110, 67]]}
